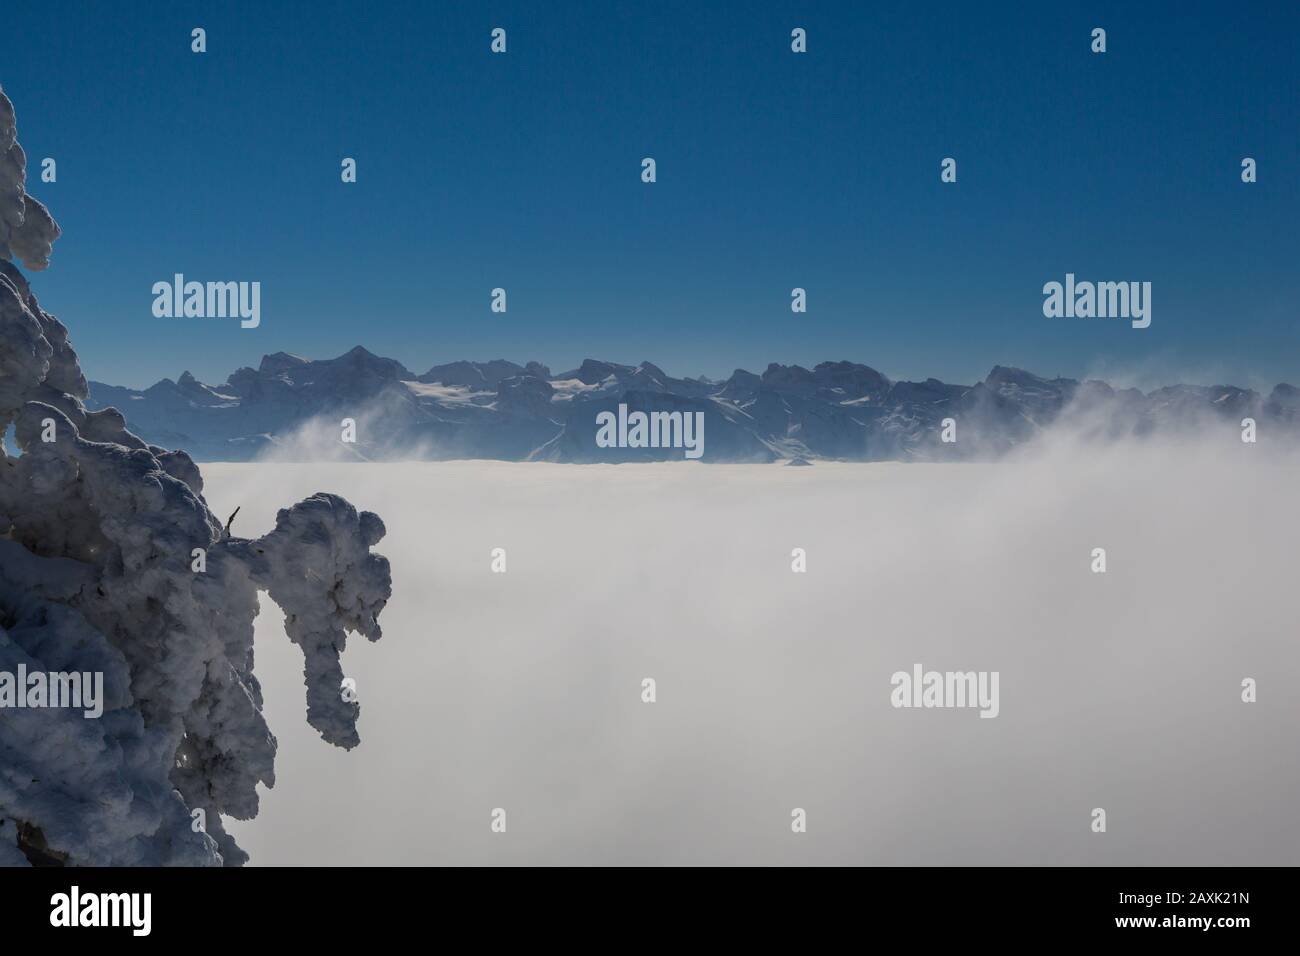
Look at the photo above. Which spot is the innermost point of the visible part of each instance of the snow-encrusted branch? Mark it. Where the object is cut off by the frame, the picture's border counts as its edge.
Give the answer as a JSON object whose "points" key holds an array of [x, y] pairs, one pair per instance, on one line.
{"points": [[99, 533]]}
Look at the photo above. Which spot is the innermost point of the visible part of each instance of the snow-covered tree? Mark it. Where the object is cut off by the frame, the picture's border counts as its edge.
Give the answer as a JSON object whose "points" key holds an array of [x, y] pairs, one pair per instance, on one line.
{"points": [[99, 573]]}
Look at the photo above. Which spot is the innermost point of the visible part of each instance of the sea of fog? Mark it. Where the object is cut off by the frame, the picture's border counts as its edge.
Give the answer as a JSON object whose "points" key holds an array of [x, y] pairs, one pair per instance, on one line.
{"points": [[523, 690]]}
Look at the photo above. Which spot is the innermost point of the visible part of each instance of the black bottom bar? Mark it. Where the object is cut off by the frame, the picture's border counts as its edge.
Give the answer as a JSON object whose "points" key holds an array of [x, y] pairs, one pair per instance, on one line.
{"points": [[339, 906]]}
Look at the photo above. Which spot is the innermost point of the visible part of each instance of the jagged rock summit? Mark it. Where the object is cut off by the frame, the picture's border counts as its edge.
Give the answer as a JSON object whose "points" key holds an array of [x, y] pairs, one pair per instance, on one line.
{"points": [[504, 410]]}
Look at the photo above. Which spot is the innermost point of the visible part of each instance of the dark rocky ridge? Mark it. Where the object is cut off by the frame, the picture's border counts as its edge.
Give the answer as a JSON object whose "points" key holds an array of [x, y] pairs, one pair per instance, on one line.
{"points": [[504, 410]]}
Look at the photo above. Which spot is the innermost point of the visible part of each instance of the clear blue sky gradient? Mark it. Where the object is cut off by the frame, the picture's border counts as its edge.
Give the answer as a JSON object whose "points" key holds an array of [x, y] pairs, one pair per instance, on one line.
{"points": [[775, 170]]}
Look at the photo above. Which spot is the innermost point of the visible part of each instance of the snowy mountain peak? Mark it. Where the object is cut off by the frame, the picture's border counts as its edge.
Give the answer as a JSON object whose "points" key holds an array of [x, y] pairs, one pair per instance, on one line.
{"points": [[501, 409]]}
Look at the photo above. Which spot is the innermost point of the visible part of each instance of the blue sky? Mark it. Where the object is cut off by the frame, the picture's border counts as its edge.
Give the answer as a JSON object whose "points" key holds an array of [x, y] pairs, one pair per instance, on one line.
{"points": [[775, 170]]}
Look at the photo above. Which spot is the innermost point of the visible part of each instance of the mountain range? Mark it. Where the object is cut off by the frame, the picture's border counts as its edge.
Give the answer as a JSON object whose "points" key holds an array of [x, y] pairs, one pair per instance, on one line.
{"points": [[502, 410]]}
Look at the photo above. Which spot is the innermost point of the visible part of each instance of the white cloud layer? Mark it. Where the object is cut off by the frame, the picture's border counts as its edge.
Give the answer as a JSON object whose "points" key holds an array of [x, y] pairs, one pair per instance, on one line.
{"points": [[522, 690]]}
